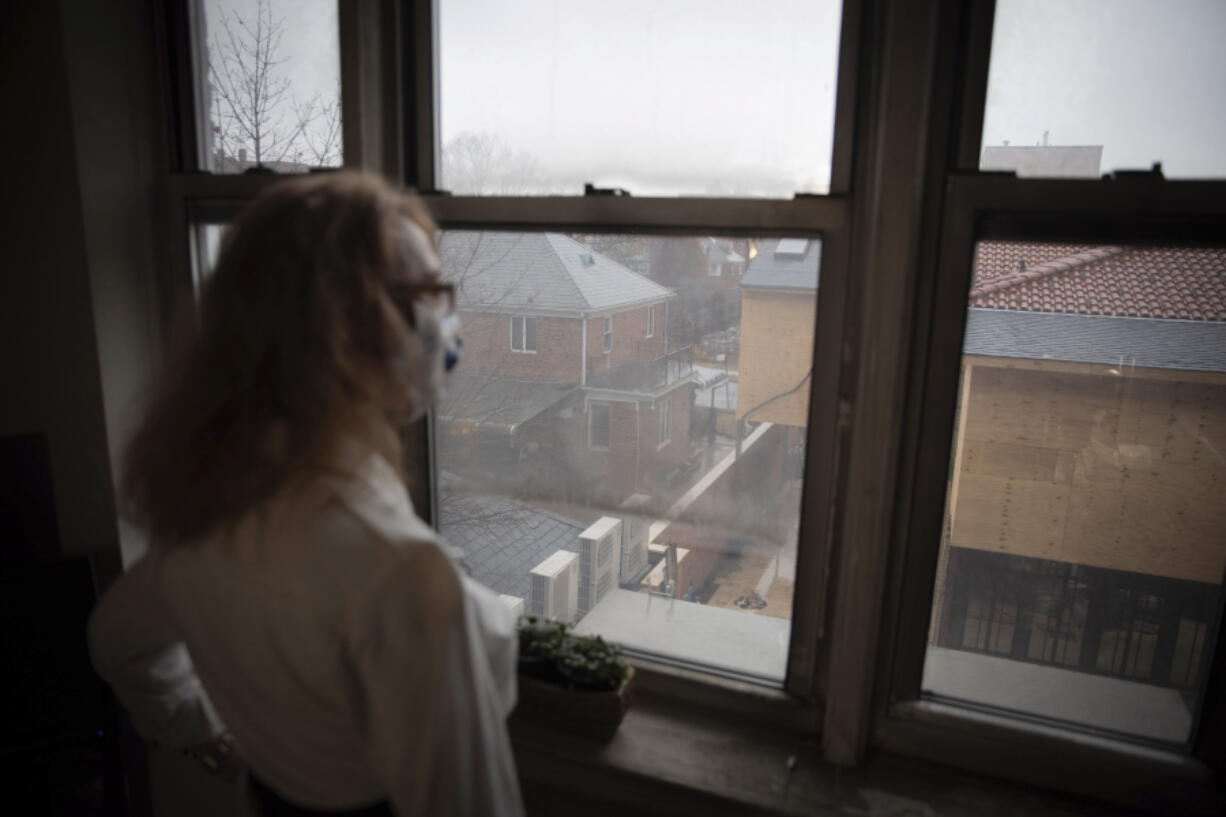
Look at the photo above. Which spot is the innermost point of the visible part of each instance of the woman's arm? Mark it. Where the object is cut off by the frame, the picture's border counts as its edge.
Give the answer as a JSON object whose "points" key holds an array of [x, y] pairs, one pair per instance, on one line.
{"points": [[135, 648]]}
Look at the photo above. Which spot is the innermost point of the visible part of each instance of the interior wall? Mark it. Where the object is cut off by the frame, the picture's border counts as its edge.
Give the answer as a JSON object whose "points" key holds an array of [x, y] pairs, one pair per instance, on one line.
{"points": [[117, 121], [48, 347]]}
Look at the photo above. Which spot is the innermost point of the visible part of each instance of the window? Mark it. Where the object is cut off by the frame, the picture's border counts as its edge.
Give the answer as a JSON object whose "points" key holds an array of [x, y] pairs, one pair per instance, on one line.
{"points": [[1082, 561], [689, 446], [1058, 586], [523, 334], [598, 419], [1055, 106], [884, 341], [651, 320], [664, 413], [518, 116], [269, 91]]}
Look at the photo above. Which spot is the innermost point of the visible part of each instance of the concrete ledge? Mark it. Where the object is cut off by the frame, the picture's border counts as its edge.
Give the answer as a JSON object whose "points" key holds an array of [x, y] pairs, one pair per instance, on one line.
{"points": [[686, 631]]}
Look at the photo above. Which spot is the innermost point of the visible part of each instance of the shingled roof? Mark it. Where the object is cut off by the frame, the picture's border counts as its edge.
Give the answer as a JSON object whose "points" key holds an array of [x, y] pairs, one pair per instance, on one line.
{"points": [[1139, 282], [785, 263], [502, 539], [1127, 342], [545, 272]]}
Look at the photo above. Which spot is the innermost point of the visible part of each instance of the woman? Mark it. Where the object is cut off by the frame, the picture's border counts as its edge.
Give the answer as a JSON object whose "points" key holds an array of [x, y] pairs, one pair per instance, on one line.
{"points": [[291, 597]]}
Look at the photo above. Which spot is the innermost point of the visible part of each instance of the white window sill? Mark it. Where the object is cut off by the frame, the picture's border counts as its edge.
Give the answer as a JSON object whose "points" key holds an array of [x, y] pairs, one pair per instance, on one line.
{"points": [[731, 640]]}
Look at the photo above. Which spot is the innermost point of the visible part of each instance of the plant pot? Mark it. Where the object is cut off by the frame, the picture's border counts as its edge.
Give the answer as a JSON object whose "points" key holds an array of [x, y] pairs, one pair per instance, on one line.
{"points": [[588, 714]]}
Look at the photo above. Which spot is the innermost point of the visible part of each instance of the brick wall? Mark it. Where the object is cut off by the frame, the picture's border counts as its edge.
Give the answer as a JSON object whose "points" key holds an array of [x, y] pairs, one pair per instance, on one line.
{"points": [[630, 341], [776, 353], [487, 348], [636, 462]]}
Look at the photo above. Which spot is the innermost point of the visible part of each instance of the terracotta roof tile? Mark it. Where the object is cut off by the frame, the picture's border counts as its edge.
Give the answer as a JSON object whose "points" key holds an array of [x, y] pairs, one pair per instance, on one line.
{"points": [[1146, 282]]}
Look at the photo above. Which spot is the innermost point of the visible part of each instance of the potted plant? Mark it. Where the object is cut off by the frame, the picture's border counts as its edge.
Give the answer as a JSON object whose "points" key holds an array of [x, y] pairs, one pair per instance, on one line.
{"points": [[574, 683]]}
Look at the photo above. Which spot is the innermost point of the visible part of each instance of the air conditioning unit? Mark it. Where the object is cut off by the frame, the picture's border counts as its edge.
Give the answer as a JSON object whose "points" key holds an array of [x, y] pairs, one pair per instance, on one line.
{"points": [[514, 602], [600, 549], [554, 585], [635, 536]]}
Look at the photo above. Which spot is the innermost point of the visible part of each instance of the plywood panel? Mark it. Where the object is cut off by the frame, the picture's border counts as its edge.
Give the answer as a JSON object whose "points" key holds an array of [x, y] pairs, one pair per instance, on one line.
{"points": [[1011, 460], [1095, 469], [1007, 515]]}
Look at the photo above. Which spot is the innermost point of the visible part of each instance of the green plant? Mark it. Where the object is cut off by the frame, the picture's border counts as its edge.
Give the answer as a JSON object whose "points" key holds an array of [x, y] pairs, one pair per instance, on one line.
{"points": [[550, 651]]}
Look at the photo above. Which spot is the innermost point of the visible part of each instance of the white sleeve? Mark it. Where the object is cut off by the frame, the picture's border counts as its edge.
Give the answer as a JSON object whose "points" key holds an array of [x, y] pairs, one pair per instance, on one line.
{"points": [[136, 649], [435, 704]]}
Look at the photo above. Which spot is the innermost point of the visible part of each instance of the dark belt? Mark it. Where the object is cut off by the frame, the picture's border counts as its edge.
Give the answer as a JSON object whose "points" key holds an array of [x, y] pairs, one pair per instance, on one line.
{"points": [[274, 805]]}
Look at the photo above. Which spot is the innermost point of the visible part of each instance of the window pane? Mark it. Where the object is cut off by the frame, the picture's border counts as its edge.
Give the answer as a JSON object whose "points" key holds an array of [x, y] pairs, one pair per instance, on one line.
{"points": [[269, 89], [703, 426], [517, 334], [530, 334], [680, 98], [1080, 572], [1083, 87]]}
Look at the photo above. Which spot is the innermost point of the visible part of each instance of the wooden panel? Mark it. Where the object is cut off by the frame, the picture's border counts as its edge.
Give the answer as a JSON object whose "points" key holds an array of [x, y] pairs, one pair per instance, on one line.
{"points": [[1122, 473], [1009, 515], [1011, 460]]}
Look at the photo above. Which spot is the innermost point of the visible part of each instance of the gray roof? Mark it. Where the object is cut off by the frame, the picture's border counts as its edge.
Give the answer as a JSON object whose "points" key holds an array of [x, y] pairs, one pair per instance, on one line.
{"points": [[501, 539], [546, 272], [499, 403], [715, 387], [771, 270], [1147, 342]]}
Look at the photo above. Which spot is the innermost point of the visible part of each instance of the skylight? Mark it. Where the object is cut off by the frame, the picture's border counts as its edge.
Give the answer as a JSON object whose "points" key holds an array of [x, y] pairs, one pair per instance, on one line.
{"points": [[792, 247]]}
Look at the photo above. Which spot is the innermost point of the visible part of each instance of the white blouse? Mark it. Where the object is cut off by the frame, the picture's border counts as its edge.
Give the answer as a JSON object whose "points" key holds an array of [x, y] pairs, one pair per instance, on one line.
{"points": [[332, 634]]}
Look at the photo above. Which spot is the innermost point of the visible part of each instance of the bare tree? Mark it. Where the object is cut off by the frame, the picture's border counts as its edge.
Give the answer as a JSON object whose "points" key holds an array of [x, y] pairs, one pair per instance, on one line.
{"points": [[321, 130], [254, 109], [484, 163]]}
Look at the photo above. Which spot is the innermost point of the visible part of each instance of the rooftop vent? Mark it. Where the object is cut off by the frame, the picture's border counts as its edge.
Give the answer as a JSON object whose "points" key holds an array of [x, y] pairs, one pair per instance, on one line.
{"points": [[587, 260]]}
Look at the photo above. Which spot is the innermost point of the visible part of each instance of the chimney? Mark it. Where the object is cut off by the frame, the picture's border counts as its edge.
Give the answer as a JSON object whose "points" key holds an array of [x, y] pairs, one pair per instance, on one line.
{"points": [[242, 154]]}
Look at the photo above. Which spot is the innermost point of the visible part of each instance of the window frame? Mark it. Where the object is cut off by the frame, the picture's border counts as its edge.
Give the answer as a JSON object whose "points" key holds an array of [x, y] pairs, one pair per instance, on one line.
{"points": [[651, 321], [826, 216], [994, 206], [607, 335], [973, 206]]}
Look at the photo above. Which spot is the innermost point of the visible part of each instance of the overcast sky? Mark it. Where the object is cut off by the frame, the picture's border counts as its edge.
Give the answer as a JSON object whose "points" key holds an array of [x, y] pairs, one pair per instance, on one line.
{"points": [[711, 96]]}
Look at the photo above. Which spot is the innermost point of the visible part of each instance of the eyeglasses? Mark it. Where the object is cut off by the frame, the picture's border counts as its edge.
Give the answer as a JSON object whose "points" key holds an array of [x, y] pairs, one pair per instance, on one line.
{"points": [[406, 295]]}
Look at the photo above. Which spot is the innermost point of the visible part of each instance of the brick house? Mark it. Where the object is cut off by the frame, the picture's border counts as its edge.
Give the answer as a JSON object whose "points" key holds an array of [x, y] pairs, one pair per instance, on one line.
{"points": [[567, 384]]}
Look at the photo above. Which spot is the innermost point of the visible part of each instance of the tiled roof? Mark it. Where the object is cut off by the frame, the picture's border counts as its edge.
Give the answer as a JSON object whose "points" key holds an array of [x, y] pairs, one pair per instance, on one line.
{"points": [[501, 539], [522, 272], [771, 270], [1144, 342], [1143, 282]]}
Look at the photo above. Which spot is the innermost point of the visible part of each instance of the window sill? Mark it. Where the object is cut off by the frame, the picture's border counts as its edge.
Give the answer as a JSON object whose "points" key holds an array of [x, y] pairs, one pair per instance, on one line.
{"points": [[672, 756]]}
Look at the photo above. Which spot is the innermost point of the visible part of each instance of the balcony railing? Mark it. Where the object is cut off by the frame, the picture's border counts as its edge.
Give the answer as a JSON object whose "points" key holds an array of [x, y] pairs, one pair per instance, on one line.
{"points": [[647, 376]]}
